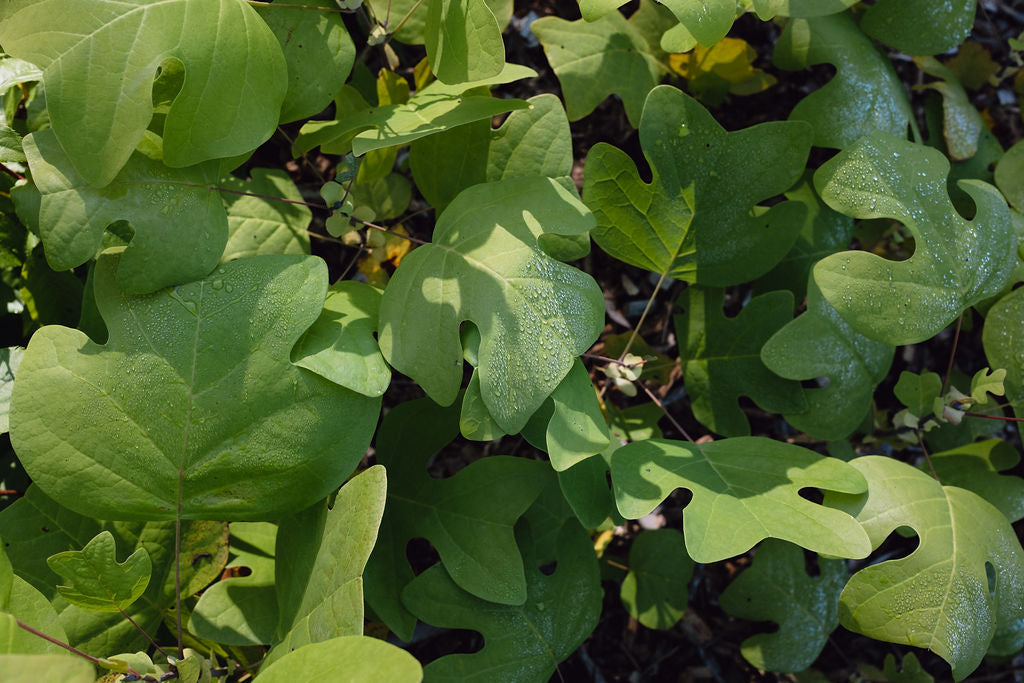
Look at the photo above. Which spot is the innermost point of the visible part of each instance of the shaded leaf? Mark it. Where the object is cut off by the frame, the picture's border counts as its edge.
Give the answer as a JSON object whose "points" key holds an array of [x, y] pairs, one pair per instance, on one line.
{"points": [[21, 601], [1009, 174], [463, 40], [97, 581], [910, 670], [32, 668], [766, 9], [973, 65], [961, 122], [745, 489], [977, 466], [918, 391], [725, 67], [261, 226], [1003, 339], [10, 359], [920, 27], [656, 590], [956, 262], [348, 659]]}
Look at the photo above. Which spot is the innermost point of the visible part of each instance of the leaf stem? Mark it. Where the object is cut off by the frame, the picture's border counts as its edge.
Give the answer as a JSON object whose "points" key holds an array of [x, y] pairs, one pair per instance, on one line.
{"points": [[995, 417], [11, 172], [409, 238], [661, 405], [952, 354], [606, 359], [405, 18], [36, 632], [143, 632], [927, 457], [282, 5], [643, 316]]}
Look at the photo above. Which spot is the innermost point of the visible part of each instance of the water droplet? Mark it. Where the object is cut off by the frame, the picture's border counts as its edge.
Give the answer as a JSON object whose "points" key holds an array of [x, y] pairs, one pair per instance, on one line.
{"points": [[217, 284], [229, 289]]}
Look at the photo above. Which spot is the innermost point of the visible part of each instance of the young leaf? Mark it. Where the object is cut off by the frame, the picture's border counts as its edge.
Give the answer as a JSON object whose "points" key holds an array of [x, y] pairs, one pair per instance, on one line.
{"points": [[593, 60], [535, 315], [920, 27], [977, 466], [32, 668], [956, 262], [985, 383], [918, 391], [961, 122], [959, 594], [1003, 339], [744, 490], [820, 343], [320, 586], [865, 96], [179, 231], [192, 409], [97, 581], [777, 588], [98, 59], [723, 358], [698, 220], [521, 644], [463, 41], [10, 359], [264, 226], [656, 590], [348, 659]]}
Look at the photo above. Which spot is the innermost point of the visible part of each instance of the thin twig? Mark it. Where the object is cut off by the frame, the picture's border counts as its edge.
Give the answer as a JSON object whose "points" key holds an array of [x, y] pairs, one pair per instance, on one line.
{"points": [[643, 316], [409, 238], [952, 354], [927, 457], [671, 419], [995, 417], [405, 18], [606, 359], [95, 660], [142, 631], [11, 172]]}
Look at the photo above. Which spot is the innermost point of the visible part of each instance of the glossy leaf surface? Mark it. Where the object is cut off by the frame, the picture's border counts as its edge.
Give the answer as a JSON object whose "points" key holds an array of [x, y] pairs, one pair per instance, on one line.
{"points": [[1003, 338], [920, 27]]}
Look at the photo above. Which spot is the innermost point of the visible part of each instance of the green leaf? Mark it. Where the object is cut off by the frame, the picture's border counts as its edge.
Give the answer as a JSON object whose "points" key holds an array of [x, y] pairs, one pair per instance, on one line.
{"points": [[1008, 174], [820, 343], [242, 610], [920, 27], [865, 96], [577, 429], [98, 59], [655, 591], [468, 517], [319, 54], [348, 659], [959, 593], [766, 9], [723, 358], [976, 467], [463, 41], [435, 108], [985, 382], [264, 226], [22, 601], [10, 359], [179, 230], [535, 315], [777, 588], [910, 670], [192, 409], [961, 122], [10, 146], [1003, 339], [14, 71], [386, 197], [593, 60], [521, 643], [32, 668], [918, 391], [698, 219], [745, 489], [956, 262], [320, 585], [97, 581], [706, 20]]}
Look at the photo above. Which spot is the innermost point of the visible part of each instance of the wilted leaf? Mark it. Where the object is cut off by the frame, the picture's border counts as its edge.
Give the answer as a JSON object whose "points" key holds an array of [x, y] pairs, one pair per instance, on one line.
{"points": [[973, 65], [656, 590]]}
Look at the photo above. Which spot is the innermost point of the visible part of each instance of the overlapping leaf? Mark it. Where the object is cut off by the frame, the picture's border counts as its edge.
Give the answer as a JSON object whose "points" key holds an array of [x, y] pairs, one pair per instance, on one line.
{"points": [[820, 343], [263, 226], [956, 262], [766, 9], [777, 588], [534, 314], [192, 409], [346, 659], [21, 601], [463, 40], [745, 489], [1003, 338], [920, 27], [959, 593], [655, 591], [961, 122], [10, 359], [698, 219], [179, 230], [865, 95], [976, 467], [29, 668], [98, 59], [722, 358]]}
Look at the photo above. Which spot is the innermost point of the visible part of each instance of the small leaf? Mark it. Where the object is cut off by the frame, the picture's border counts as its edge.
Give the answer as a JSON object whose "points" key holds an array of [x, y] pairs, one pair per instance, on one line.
{"points": [[725, 67], [973, 65], [918, 391], [655, 591], [961, 122], [348, 659], [985, 382], [920, 27], [744, 490], [264, 226], [97, 581], [910, 670], [777, 588]]}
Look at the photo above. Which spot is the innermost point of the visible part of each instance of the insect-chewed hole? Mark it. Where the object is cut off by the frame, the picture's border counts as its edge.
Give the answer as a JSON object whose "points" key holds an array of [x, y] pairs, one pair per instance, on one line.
{"points": [[547, 569]]}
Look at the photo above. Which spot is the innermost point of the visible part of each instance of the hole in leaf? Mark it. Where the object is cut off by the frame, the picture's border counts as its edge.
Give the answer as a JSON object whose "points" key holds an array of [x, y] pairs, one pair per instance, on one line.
{"points": [[421, 555], [811, 563], [812, 494], [679, 498], [446, 642], [990, 574], [547, 569]]}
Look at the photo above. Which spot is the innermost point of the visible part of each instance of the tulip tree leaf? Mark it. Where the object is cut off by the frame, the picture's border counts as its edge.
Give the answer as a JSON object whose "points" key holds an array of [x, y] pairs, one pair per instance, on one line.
{"points": [[961, 122], [29, 668], [577, 429], [865, 96], [264, 226], [959, 593], [610, 56], [766, 9], [179, 231], [1008, 174], [956, 262], [435, 108], [320, 586], [242, 610], [98, 59], [820, 343], [745, 489], [777, 588], [340, 345], [463, 40], [10, 359], [535, 315], [468, 517], [521, 643], [97, 581], [22, 601], [723, 358], [655, 590], [918, 391], [920, 27], [192, 409], [1003, 339], [347, 659], [977, 466], [706, 20], [697, 220]]}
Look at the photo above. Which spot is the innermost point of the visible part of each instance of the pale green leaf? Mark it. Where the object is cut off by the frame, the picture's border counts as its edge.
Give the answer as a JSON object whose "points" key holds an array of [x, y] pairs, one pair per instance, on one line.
{"points": [[777, 588], [956, 262], [348, 659], [33, 668], [320, 585], [985, 383], [192, 409], [976, 467], [961, 122], [766, 9], [96, 580], [959, 593], [722, 358], [698, 219], [10, 359], [865, 96], [1003, 339], [745, 489], [655, 590], [592, 10], [523, 643], [910, 670], [264, 226], [14, 71], [535, 315], [1009, 175], [99, 58], [706, 20], [463, 40], [577, 429], [920, 27], [179, 230], [22, 601], [387, 197]]}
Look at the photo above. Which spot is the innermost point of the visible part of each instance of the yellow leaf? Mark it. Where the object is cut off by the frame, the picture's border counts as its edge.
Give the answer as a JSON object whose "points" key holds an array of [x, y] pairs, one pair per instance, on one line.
{"points": [[725, 67], [973, 65]]}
